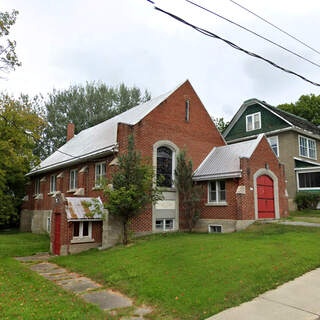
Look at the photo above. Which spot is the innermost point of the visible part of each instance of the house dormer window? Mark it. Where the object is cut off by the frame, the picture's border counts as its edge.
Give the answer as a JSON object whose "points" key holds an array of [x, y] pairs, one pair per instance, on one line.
{"points": [[253, 121], [187, 116], [307, 147]]}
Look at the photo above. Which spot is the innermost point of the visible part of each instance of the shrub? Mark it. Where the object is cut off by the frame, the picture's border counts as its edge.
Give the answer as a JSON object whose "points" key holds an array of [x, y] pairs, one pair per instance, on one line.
{"points": [[307, 200]]}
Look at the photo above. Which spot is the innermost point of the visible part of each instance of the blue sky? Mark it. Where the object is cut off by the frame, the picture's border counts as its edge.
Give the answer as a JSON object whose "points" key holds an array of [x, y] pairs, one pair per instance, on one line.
{"points": [[66, 42]]}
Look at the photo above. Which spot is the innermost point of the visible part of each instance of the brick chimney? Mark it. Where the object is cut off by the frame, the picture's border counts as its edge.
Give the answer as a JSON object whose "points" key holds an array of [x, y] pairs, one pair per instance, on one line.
{"points": [[70, 131]]}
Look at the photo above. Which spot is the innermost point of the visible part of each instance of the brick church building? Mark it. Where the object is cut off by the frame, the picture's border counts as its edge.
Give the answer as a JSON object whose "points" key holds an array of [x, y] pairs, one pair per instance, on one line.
{"points": [[242, 182]]}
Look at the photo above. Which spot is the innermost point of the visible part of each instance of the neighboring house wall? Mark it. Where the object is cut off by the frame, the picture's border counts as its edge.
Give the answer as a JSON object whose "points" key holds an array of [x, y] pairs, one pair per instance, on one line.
{"points": [[269, 122]]}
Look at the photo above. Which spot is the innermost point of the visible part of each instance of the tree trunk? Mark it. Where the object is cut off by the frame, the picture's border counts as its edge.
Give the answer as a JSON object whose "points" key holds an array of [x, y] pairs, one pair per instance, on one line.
{"points": [[125, 232]]}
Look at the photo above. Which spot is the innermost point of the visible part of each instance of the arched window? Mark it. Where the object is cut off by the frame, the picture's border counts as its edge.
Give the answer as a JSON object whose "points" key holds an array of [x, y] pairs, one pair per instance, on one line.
{"points": [[164, 167]]}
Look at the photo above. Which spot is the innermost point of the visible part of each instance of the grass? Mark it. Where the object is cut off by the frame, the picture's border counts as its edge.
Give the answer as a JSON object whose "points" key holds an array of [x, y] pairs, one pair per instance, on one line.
{"points": [[307, 215], [26, 295], [192, 276]]}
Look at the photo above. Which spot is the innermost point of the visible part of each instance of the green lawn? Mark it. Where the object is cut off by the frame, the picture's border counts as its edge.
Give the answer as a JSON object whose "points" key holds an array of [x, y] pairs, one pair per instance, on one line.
{"points": [[307, 215], [26, 295], [192, 276]]}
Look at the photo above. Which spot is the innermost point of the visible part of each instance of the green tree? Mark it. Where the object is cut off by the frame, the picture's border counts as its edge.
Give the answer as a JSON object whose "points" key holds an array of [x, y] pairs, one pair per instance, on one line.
{"points": [[307, 107], [220, 123], [133, 187], [20, 128], [8, 57], [189, 193], [85, 106]]}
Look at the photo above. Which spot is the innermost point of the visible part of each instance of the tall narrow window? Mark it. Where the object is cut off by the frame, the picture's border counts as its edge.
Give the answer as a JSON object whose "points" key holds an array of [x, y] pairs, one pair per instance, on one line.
{"points": [[53, 183], [73, 179], [217, 191], [164, 167], [187, 110], [100, 173], [37, 186]]}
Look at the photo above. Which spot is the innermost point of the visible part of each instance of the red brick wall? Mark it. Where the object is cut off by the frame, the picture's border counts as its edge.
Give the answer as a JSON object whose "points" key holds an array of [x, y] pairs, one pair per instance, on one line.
{"points": [[241, 207], [220, 212], [167, 122]]}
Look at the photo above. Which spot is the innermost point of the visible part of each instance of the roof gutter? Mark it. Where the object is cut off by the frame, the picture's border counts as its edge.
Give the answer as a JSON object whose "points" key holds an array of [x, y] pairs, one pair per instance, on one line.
{"points": [[218, 176]]}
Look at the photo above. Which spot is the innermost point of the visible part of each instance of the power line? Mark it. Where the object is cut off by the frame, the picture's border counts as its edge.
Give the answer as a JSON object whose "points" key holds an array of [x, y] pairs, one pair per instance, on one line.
{"points": [[273, 25], [212, 35], [254, 33]]}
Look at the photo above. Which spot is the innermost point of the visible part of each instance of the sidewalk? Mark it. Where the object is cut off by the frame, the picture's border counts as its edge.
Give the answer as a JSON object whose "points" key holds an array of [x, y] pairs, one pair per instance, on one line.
{"points": [[298, 299]]}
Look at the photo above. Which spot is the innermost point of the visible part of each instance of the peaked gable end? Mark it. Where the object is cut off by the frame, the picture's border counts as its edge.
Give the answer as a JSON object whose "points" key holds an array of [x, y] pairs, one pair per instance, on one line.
{"points": [[269, 121]]}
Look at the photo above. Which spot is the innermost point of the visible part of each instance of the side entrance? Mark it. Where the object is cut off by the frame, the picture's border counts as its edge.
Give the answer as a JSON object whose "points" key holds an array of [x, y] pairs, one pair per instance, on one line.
{"points": [[265, 193]]}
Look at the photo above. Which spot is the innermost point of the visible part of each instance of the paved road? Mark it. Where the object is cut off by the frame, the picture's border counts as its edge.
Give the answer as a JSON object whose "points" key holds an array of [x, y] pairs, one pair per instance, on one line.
{"points": [[295, 300]]}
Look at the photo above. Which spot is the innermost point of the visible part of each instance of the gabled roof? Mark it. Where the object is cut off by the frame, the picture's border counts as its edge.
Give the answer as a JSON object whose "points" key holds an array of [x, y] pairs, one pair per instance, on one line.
{"points": [[224, 162], [99, 139], [291, 119]]}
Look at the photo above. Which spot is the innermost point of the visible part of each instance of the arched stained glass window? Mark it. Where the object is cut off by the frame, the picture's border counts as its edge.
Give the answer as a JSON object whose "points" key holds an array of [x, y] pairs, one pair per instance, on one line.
{"points": [[164, 167]]}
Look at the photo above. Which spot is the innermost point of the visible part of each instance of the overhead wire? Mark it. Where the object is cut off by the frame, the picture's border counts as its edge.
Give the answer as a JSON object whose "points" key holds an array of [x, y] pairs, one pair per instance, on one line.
{"points": [[233, 45], [273, 25], [254, 33]]}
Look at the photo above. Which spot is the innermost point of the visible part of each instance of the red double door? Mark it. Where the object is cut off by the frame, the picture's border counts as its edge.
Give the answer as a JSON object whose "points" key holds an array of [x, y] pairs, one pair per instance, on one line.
{"points": [[57, 237], [265, 197]]}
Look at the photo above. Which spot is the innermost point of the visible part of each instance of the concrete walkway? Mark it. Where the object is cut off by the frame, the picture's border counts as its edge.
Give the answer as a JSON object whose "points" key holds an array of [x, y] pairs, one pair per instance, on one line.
{"points": [[298, 299], [85, 288]]}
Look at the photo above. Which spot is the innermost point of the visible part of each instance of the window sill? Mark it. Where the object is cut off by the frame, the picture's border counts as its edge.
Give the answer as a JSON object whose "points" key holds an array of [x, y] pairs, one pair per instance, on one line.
{"points": [[97, 188], [71, 190], [216, 204], [38, 196], [315, 159], [82, 240]]}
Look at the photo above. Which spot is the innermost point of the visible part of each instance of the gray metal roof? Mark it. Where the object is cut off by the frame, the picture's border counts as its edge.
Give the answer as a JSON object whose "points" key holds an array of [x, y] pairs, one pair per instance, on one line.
{"points": [[83, 208], [224, 162], [99, 139]]}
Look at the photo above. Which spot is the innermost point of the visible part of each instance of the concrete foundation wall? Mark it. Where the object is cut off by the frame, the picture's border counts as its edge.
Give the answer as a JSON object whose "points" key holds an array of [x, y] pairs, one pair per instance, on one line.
{"points": [[79, 247], [34, 221], [112, 231], [227, 225], [40, 220], [25, 220]]}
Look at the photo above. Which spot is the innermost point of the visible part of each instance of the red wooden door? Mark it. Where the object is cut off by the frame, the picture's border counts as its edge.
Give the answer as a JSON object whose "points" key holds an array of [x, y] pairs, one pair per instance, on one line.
{"points": [[265, 197], [57, 227]]}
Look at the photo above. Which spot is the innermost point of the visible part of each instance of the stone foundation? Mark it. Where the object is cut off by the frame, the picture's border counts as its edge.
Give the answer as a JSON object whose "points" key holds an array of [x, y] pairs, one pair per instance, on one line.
{"points": [[111, 231]]}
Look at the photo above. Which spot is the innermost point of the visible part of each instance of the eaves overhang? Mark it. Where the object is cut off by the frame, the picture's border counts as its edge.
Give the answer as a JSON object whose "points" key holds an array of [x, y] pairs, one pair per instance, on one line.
{"points": [[75, 160], [218, 176]]}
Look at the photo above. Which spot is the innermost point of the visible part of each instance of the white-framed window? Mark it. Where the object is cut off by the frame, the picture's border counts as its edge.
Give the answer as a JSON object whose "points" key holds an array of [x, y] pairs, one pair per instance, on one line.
{"points": [[274, 144], [37, 186], [164, 224], [82, 229], [187, 116], [217, 191], [307, 147], [49, 224], [308, 180], [253, 121], [73, 179], [214, 228], [53, 183], [100, 172]]}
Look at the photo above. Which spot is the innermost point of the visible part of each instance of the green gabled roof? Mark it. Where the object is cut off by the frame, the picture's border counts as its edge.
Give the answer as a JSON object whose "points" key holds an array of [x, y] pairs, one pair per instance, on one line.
{"points": [[280, 119], [304, 164]]}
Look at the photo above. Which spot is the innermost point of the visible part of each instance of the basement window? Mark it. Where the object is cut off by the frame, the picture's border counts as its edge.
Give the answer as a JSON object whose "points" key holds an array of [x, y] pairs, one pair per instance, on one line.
{"points": [[164, 224], [214, 228]]}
